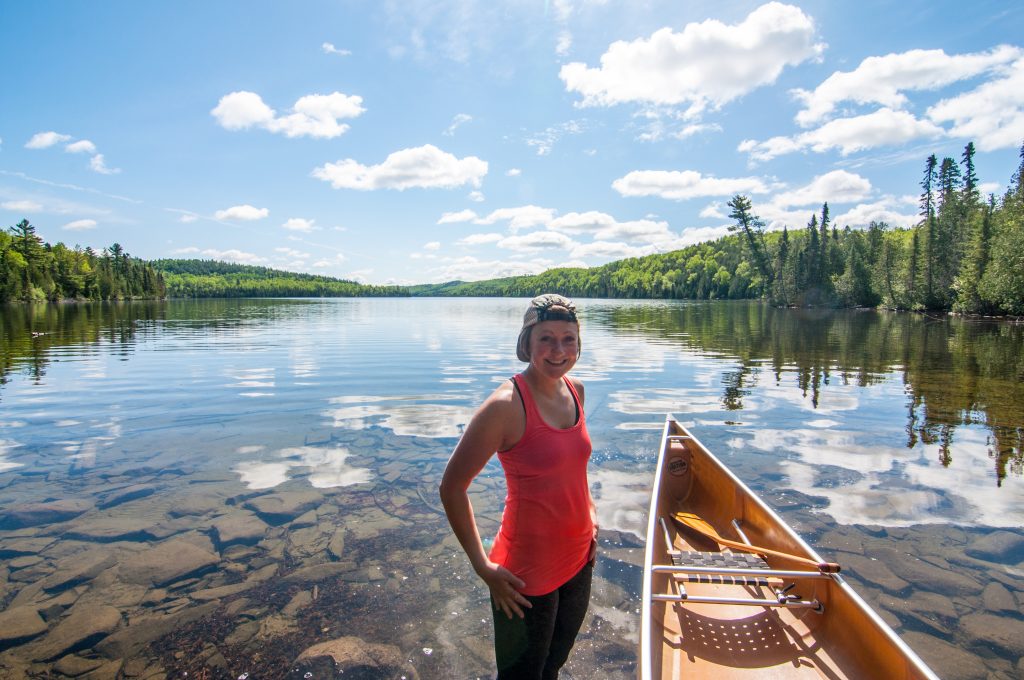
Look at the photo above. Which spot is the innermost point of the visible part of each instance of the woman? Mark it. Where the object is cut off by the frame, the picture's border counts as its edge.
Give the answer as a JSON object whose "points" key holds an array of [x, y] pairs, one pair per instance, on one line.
{"points": [[540, 566]]}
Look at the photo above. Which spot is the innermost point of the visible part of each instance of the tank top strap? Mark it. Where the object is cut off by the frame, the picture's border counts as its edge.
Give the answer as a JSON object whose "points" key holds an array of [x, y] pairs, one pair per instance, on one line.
{"points": [[529, 405]]}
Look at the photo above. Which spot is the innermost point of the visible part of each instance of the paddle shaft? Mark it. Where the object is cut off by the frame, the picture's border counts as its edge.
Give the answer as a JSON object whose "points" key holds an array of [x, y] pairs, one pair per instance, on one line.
{"points": [[694, 522]]}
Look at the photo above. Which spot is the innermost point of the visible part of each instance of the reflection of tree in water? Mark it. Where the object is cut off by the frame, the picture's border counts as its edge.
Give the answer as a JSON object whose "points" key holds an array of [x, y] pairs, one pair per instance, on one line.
{"points": [[955, 371], [29, 334]]}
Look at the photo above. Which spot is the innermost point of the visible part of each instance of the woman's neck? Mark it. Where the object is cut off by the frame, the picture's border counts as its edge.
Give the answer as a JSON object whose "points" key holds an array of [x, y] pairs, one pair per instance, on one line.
{"points": [[541, 383]]}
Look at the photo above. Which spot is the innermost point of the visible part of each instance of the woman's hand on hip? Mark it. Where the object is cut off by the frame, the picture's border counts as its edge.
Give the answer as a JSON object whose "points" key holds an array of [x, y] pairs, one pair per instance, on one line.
{"points": [[504, 587]]}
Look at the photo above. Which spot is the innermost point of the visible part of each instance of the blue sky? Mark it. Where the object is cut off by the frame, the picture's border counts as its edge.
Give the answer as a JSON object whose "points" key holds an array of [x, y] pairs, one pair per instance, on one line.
{"points": [[425, 141]]}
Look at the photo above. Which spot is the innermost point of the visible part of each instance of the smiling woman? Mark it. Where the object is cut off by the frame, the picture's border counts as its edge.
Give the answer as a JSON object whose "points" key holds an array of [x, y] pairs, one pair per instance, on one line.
{"points": [[541, 565]]}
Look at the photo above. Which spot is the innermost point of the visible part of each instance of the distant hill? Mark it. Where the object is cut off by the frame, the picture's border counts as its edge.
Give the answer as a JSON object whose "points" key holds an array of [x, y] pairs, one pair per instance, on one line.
{"points": [[212, 278]]}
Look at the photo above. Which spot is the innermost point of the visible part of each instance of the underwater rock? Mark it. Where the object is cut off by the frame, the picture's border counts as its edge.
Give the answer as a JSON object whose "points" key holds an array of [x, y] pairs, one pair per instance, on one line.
{"points": [[14, 547], [128, 642], [78, 568], [928, 575], [128, 493], [284, 506], [35, 514], [238, 528], [73, 666], [872, 571], [1002, 547], [108, 529], [1001, 632], [998, 599], [167, 562], [82, 628], [19, 624], [354, 656]]}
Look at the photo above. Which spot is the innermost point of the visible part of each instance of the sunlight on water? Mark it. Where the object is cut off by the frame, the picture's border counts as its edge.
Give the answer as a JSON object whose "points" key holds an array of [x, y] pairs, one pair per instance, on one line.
{"points": [[257, 476]]}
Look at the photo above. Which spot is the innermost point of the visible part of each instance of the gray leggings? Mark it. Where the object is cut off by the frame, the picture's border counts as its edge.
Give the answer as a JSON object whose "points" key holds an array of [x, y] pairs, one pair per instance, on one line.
{"points": [[536, 647]]}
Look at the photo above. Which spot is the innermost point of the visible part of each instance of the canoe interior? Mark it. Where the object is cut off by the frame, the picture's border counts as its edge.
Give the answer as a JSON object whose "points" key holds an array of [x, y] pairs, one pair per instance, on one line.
{"points": [[689, 640]]}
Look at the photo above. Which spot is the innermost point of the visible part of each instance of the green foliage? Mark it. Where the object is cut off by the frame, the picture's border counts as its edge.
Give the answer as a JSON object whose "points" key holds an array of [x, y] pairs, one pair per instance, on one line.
{"points": [[33, 271], [209, 278]]}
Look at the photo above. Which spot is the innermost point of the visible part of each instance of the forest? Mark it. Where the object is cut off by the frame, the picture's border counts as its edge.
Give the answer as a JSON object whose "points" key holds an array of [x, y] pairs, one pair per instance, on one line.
{"points": [[211, 279], [34, 271], [965, 254]]}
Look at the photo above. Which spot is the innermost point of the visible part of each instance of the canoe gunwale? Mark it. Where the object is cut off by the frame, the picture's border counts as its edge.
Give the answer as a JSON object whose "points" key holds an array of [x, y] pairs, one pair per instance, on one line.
{"points": [[672, 430]]}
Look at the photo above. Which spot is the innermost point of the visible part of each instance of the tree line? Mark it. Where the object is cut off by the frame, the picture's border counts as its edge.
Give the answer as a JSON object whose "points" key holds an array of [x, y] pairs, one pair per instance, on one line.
{"points": [[965, 254], [34, 271], [212, 279]]}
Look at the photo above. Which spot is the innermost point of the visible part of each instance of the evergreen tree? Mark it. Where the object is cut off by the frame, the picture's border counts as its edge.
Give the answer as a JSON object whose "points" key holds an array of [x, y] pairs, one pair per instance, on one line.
{"points": [[928, 222], [753, 231]]}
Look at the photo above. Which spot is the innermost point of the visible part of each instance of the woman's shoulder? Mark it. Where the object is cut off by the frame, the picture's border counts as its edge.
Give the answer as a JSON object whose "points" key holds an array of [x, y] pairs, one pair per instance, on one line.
{"points": [[577, 385], [502, 401]]}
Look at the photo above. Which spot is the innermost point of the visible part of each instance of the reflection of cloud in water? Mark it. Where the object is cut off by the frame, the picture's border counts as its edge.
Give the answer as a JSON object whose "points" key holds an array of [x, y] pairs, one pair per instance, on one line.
{"points": [[255, 395], [328, 468], [262, 475], [426, 419], [622, 499], [5, 446], [829, 400], [822, 422], [897, 486], [662, 401]]}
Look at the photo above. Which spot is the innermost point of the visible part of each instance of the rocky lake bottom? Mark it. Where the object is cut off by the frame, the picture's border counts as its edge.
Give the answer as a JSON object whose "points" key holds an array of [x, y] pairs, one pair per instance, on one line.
{"points": [[155, 570]]}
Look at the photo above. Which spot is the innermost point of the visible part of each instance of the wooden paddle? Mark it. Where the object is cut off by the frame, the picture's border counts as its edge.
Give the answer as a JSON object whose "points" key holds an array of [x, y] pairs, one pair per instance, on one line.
{"points": [[692, 521]]}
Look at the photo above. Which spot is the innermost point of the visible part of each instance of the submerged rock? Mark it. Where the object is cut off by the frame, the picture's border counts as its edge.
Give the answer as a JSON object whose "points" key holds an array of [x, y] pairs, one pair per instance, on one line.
{"points": [[82, 628], [238, 528], [35, 514], [19, 624], [129, 493], [1003, 547], [356, 657], [988, 631], [167, 562], [284, 506]]}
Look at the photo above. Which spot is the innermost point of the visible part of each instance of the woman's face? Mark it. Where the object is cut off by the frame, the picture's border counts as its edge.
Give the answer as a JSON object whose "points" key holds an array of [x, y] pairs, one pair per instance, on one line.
{"points": [[554, 347]]}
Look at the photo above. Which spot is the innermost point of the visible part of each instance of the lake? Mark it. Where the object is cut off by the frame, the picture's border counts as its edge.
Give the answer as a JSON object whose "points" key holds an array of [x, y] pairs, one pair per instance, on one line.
{"points": [[211, 487]]}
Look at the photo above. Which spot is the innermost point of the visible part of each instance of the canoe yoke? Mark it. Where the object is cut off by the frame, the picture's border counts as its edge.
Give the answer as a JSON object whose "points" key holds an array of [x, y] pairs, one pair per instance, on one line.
{"points": [[730, 569]]}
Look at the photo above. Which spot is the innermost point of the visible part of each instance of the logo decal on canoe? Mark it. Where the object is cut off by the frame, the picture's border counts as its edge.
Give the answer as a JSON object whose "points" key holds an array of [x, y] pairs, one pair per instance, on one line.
{"points": [[678, 466]]}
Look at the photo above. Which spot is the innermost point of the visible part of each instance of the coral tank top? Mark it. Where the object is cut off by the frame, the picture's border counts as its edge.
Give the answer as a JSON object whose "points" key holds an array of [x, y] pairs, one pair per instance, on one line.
{"points": [[547, 526]]}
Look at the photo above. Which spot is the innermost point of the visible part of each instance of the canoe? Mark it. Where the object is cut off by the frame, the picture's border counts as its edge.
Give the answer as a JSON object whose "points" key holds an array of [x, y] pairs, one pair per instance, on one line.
{"points": [[731, 591]]}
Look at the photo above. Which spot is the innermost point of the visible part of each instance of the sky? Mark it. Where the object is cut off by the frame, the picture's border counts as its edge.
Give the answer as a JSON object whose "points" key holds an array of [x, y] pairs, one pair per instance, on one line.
{"points": [[423, 141]]}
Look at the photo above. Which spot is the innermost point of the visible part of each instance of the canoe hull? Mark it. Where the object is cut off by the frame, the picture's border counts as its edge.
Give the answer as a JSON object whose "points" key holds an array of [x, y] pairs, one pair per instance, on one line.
{"points": [[690, 626]]}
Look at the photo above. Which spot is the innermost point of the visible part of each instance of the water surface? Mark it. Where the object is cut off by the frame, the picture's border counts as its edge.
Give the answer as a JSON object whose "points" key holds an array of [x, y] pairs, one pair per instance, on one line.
{"points": [[280, 458]]}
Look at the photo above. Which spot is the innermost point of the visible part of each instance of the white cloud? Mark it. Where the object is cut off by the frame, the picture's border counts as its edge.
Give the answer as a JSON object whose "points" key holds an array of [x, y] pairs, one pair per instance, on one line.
{"points": [[522, 217], [433, 245], [299, 224], [313, 115], [610, 250], [513, 172], [564, 43], [536, 240], [685, 184], [884, 127], [81, 146], [459, 120], [604, 227], [696, 235], [188, 218], [713, 210], [461, 216], [708, 63], [883, 80], [480, 239], [838, 186], [21, 206], [98, 164], [79, 225], [244, 213], [231, 255], [43, 140], [425, 166], [291, 252], [476, 196], [544, 141], [473, 269], [885, 210], [328, 48], [992, 114]]}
